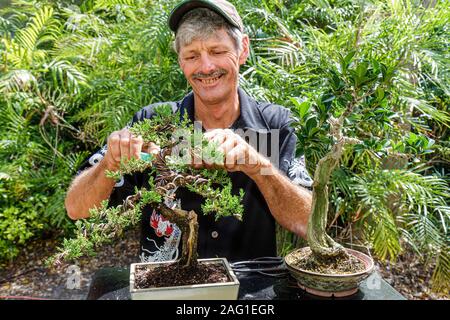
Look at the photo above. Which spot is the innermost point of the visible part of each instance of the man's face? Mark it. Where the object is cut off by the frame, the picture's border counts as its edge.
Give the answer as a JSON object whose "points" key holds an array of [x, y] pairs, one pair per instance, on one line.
{"points": [[212, 66]]}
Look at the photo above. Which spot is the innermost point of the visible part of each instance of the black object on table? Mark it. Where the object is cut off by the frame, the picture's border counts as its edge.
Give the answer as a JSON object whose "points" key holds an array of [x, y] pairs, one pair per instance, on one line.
{"points": [[113, 284]]}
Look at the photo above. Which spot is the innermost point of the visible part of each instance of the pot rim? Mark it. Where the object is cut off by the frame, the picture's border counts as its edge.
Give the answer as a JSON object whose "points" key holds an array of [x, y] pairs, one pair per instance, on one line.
{"points": [[358, 254]]}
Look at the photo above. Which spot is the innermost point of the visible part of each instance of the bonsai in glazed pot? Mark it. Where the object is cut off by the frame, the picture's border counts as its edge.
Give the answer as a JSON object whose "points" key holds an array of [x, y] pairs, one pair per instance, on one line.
{"points": [[325, 267], [188, 277]]}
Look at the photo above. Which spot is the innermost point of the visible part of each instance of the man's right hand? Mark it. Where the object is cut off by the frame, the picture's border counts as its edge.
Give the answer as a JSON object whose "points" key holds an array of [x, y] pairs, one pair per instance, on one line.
{"points": [[92, 186], [123, 144]]}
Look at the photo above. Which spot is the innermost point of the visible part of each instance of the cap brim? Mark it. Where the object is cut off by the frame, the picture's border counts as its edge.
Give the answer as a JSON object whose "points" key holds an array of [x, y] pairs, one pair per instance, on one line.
{"points": [[179, 11]]}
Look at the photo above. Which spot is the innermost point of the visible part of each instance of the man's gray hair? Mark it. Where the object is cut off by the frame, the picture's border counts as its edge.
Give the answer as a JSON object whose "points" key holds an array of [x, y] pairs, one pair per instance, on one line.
{"points": [[201, 24]]}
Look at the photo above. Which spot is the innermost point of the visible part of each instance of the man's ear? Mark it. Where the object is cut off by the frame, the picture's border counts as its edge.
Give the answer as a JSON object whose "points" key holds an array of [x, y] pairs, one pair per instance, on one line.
{"points": [[245, 49]]}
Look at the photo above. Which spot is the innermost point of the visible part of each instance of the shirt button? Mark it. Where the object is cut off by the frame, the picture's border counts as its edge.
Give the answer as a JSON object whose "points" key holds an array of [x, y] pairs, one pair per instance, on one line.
{"points": [[214, 234]]}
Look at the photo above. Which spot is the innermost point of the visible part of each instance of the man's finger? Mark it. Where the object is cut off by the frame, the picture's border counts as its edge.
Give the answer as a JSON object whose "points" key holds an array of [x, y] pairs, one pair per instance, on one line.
{"points": [[218, 138], [212, 133], [226, 147], [197, 162], [136, 146], [153, 148], [252, 157], [235, 157], [125, 145], [114, 146]]}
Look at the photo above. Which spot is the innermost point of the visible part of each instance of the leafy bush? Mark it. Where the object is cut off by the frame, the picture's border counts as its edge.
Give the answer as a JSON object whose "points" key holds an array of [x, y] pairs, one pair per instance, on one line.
{"points": [[387, 58], [70, 74]]}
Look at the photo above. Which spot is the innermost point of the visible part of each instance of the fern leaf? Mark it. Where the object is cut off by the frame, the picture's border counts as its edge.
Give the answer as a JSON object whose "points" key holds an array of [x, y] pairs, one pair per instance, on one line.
{"points": [[41, 28]]}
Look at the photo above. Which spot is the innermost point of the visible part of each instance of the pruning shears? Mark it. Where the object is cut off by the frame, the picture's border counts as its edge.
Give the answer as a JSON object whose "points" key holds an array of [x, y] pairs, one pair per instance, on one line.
{"points": [[146, 157]]}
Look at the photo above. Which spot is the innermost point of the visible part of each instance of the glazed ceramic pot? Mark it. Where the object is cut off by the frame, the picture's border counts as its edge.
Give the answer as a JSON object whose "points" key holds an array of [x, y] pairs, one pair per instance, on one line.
{"points": [[329, 285]]}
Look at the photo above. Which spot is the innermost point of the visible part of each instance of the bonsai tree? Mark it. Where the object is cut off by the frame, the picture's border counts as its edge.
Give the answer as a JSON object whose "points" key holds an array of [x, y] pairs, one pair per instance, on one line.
{"points": [[357, 89], [167, 171], [325, 250]]}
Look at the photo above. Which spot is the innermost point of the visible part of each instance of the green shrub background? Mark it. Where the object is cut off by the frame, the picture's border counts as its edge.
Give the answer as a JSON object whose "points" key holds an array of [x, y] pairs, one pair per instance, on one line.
{"points": [[71, 72]]}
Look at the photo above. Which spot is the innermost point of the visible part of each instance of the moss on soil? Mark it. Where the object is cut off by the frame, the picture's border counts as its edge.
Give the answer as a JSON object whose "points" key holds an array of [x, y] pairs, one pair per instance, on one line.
{"points": [[344, 264]]}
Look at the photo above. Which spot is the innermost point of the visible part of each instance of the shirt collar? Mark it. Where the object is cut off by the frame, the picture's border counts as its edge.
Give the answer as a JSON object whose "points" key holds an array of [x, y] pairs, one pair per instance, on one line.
{"points": [[250, 114]]}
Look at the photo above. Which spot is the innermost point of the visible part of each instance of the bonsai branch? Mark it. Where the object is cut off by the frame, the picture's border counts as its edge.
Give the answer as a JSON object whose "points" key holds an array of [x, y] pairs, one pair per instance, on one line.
{"points": [[166, 174]]}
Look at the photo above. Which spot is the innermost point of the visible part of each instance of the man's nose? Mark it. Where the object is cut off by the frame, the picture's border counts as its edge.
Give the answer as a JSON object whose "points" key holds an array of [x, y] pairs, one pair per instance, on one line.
{"points": [[206, 64]]}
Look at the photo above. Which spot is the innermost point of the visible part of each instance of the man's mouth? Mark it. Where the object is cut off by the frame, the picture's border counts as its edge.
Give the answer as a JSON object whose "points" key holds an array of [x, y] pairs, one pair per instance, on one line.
{"points": [[209, 81]]}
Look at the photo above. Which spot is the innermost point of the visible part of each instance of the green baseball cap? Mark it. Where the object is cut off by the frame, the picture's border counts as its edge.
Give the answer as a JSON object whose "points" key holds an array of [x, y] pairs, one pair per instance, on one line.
{"points": [[222, 7]]}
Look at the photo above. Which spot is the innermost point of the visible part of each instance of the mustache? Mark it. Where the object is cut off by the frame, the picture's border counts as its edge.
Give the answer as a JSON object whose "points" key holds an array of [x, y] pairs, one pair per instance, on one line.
{"points": [[214, 74]]}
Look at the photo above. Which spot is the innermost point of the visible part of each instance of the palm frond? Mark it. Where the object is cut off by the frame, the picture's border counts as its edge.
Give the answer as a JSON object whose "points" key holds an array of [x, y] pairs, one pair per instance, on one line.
{"points": [[282, 51], [42, 28], [441, 273], [384, 235], [66, 75], [420, 208], [17, 80]]}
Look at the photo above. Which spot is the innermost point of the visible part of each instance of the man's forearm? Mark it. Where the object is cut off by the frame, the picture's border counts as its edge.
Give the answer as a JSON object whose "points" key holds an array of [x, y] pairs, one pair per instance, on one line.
{"points": [[88, 190], [289, 204]]}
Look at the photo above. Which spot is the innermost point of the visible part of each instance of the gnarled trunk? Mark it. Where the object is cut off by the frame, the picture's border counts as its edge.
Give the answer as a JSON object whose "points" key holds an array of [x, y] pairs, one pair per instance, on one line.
{"points": [[185, 220], [188, 224], [321, 244]]}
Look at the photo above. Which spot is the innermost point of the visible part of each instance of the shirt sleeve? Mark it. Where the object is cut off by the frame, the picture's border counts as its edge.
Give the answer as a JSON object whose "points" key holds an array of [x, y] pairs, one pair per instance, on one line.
{"points": [[298, 174]]}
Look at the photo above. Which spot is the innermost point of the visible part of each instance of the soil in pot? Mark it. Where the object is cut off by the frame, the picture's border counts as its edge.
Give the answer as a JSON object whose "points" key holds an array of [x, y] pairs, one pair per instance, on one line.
{"points": [[169, 275], [343, 264]]}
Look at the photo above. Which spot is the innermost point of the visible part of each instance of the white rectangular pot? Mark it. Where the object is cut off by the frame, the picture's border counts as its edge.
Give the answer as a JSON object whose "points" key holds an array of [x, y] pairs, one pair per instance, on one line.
{"points": [[210, 291]]}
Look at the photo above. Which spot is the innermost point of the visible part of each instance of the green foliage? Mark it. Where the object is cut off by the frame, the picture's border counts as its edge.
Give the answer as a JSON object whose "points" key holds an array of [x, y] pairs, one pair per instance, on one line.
{"points": [[72, 74], [129, 167], [219, 201], [104, 225], [441, 272], [421, 200], [149, 197], [108, 223], [18, 224], [159, 129], [388, 59]]}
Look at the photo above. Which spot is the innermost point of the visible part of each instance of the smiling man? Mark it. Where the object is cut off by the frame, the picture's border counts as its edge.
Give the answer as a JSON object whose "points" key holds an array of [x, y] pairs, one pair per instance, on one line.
{"points": [[211, 47]]}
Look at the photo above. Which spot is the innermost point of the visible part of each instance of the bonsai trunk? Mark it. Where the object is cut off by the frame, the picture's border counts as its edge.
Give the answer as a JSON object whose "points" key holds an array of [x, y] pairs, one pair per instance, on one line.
{"points": [[187, 222], [322, 245]]}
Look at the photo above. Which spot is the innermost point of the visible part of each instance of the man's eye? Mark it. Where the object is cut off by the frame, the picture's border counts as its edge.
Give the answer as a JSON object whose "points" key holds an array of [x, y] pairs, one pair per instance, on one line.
{"points": [[219, 52], [190, 58]]}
